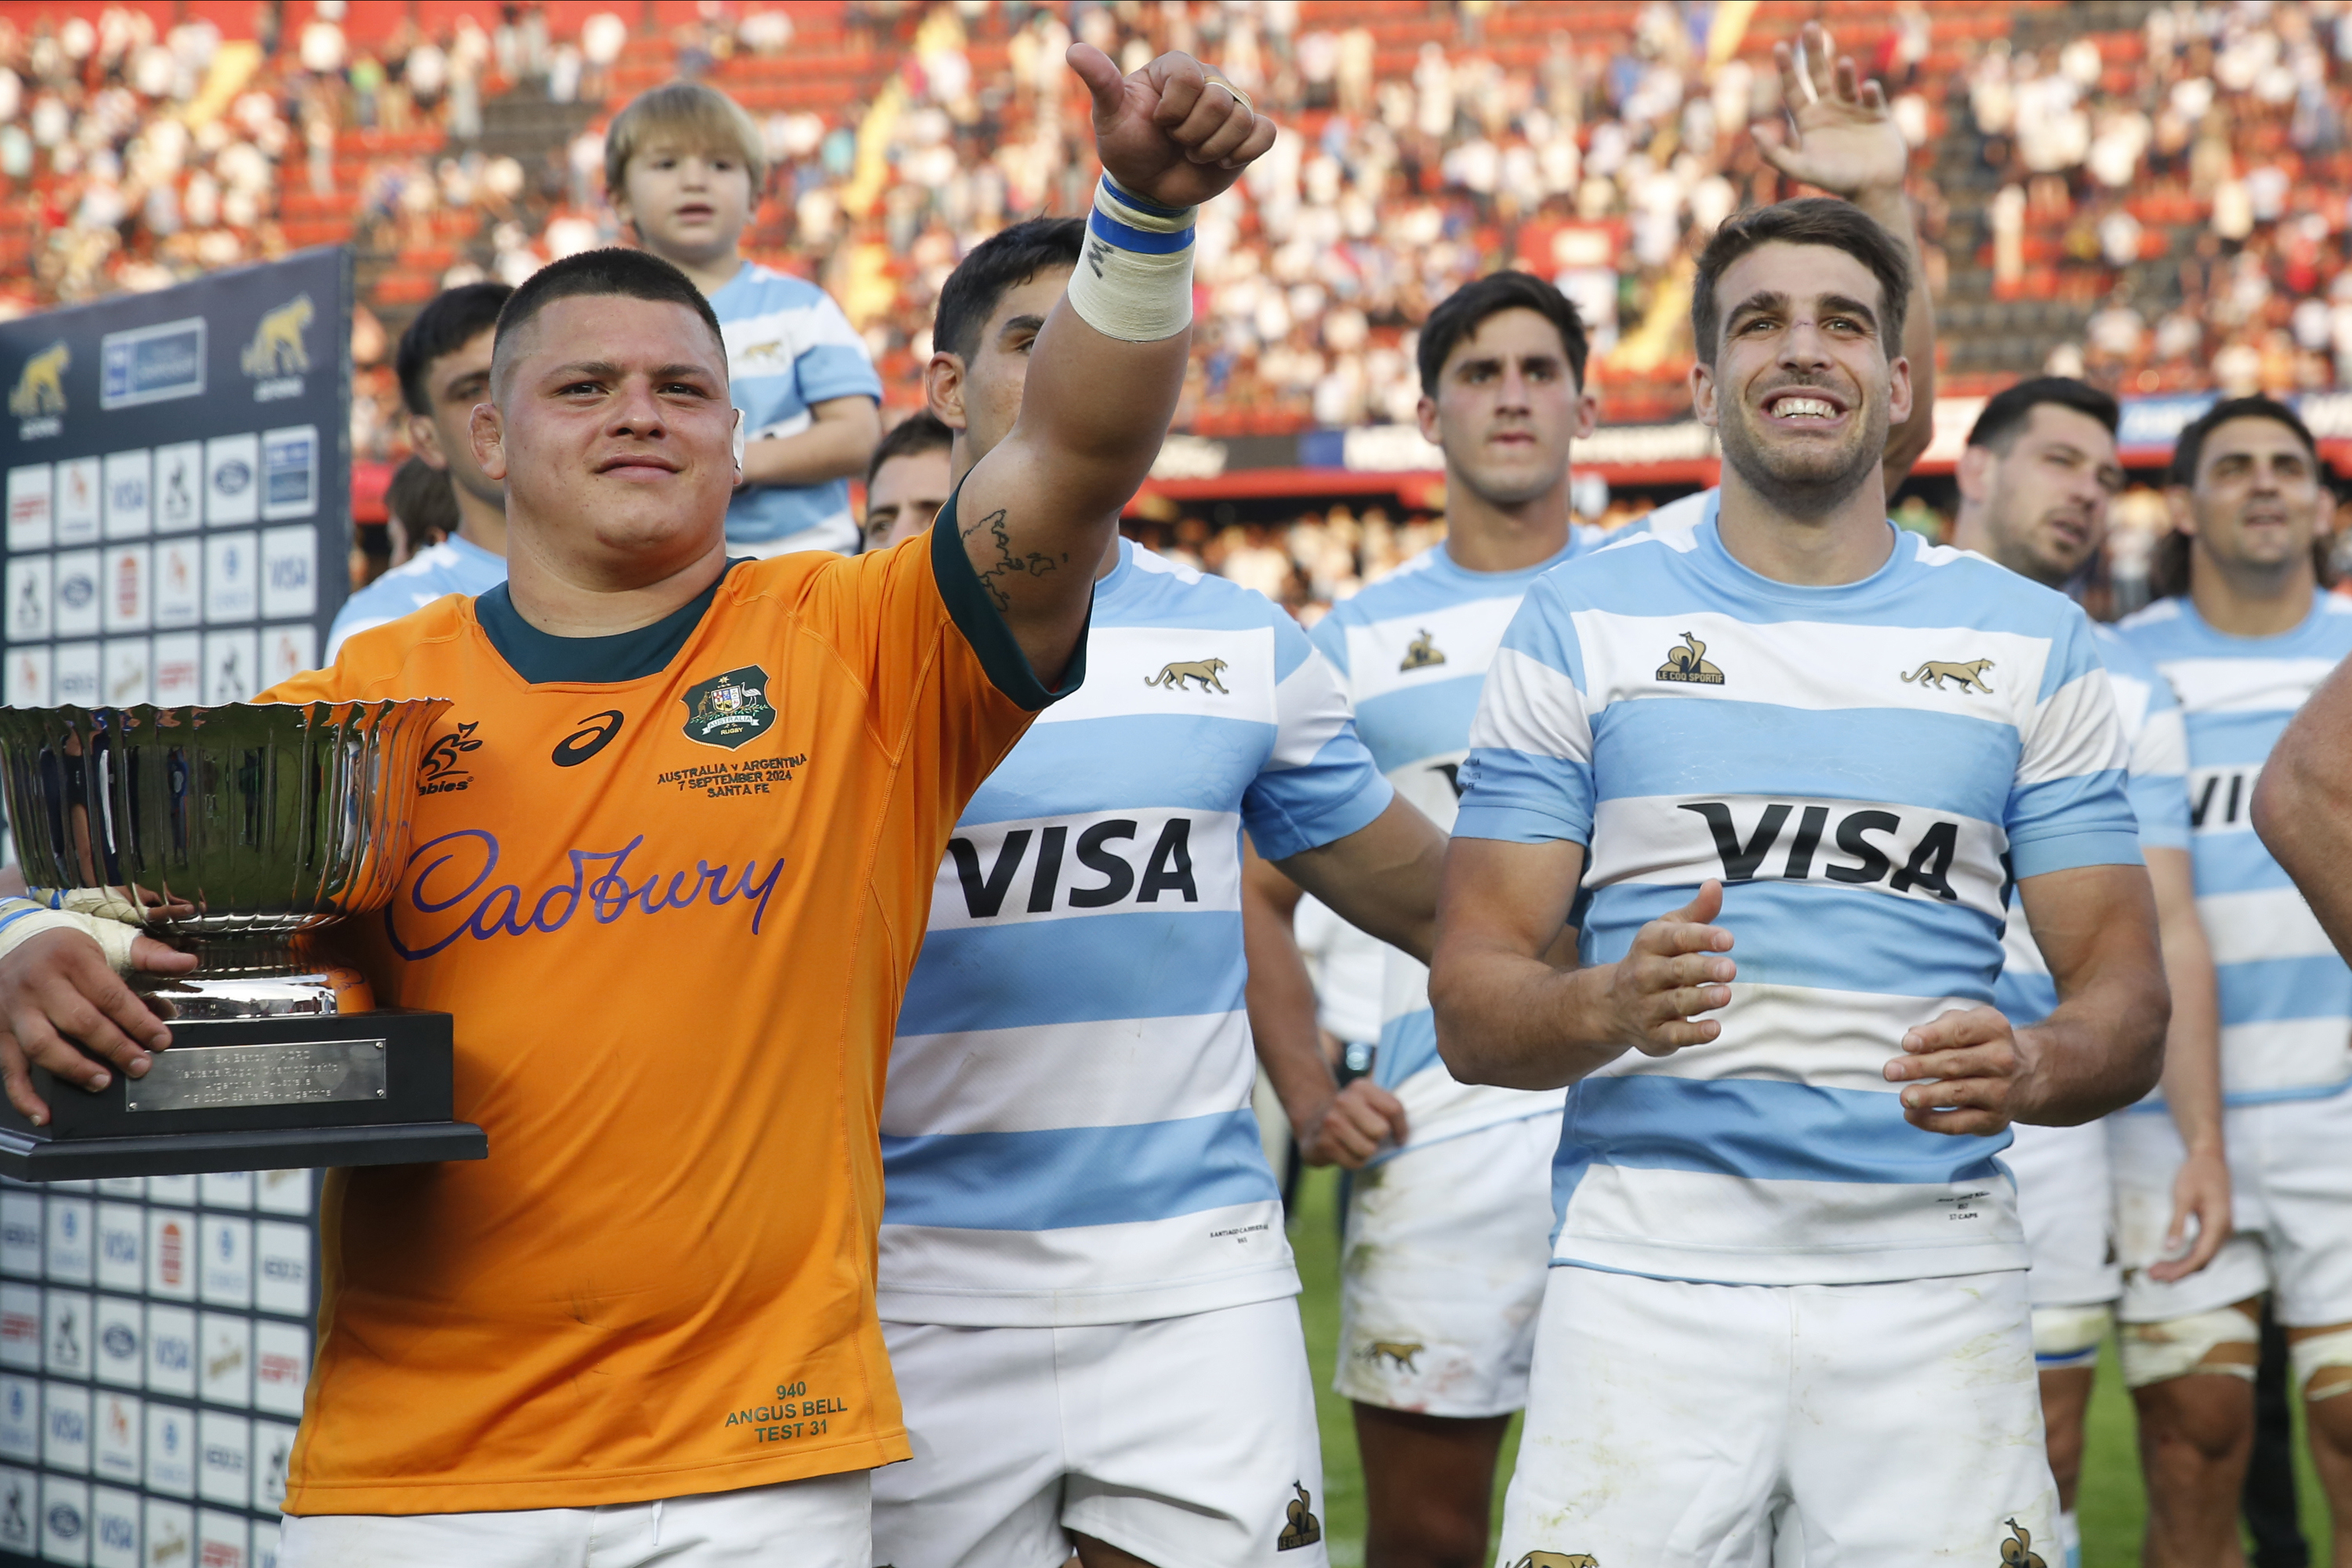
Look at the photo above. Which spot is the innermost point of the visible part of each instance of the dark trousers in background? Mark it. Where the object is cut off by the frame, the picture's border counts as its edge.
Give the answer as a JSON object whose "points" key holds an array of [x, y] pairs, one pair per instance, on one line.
{"points": [[2268, 1501]]}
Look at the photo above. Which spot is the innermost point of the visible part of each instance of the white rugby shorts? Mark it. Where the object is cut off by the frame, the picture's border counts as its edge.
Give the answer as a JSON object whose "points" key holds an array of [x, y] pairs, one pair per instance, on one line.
{"points": [[1443, 1272], [2066, 1201], [1189, 1442], [1675, 1424], [823, 1523], [2291, 1189]]}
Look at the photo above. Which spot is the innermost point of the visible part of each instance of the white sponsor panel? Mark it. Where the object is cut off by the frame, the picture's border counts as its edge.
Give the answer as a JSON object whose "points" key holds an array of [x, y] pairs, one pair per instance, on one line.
{"points": [[78, 604], [126, 582], [180, 487], [28, 676], [226, 1189], [264, 1543], [66, 1349], [170, 1451], [290, 578], [129, 512], [232, 573], [178, 588], [171, 1351], [273, 1447], [64, 1520], [121, 1187], [118, 1330], [282, 1366], [171, 1254], [113, 1528], [225, 1359], [282, 1192], [20, 1234], [65, 1426], [232, 667], [224, 1277], [222, 1539], [76, 675], [31, 598], [80, 482], [224, 1458], [20, 1418], [180, 668], [232, 480], [31, 523], [171, 1534], [69, 1229], [117, 1428], [281, 1268], [129, 670], [172, 1189], [20, 1327], [287, 651], [19, 1504], [289, 471], [121, 1247]]}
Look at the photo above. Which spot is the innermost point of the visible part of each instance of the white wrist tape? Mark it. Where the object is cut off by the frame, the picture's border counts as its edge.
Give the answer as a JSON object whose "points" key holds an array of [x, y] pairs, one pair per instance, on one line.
{"points": [[1134, 280], [21, 920]]}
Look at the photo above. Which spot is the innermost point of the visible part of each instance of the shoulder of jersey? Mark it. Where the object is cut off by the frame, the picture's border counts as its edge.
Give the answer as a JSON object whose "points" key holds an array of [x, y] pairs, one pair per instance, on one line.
{"points": [[793, 288], [1414, 585], [1160, 578], [439, 621]]}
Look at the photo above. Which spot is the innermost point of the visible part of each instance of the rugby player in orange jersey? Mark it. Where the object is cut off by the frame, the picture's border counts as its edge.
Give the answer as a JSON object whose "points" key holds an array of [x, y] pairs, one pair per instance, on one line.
{"points": [[670, 885]]}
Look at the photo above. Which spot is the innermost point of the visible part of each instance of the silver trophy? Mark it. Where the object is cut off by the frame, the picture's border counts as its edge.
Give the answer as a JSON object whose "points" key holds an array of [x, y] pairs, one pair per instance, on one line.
{"points": [[242, 834]]}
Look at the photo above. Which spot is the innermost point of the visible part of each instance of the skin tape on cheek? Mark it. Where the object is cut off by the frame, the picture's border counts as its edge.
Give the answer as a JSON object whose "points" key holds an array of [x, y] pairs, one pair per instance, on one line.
{"points": [[2223, 1341], [2322, 1363]]}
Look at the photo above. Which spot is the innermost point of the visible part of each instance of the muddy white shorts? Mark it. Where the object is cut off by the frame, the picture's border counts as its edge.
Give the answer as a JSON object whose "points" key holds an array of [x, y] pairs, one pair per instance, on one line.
{"points": [[819, 1524], [2291, 1190], [1189, 1442], [1444, 1269], [1682, 1426]]}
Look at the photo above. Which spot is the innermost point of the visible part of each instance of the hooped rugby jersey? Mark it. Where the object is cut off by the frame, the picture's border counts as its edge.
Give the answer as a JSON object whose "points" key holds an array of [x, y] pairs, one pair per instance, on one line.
{"points": [[1865, 767], [453, 567], [789, 346], [672, 911], [2286, 996], [2157, 785], [1412, 651], [1067, 1137]]}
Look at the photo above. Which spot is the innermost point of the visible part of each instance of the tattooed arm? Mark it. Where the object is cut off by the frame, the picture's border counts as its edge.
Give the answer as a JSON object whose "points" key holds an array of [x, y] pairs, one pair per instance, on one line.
{"points": [[1039, 509]]}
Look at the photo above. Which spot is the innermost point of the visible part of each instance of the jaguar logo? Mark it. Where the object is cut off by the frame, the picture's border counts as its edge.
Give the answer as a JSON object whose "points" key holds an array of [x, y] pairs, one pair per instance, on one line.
{"points": [[277, 348], [1970, 676], [41, 388], [1398, 1354], [1174, 675]]}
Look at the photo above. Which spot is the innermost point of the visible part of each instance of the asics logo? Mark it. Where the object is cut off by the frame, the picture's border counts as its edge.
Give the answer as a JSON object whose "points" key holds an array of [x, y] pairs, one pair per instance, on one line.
{"points": [[595, 732]]}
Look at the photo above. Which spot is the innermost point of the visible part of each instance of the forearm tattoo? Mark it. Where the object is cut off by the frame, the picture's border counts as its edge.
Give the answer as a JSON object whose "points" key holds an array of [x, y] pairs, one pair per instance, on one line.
{"points": [[999, 572]]}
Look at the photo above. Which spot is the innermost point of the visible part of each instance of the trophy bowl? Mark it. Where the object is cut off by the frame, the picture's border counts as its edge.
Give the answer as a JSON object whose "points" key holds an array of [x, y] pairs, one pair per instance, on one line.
{"points": [[239, 833]]}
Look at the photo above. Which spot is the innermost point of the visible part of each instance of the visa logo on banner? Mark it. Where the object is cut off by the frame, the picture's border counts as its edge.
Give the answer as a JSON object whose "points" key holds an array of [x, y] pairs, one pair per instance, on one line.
{"points": [[152, 364]]}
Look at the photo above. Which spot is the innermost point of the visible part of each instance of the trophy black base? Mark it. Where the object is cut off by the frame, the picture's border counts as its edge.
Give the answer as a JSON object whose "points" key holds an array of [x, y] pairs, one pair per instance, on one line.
{"points": [[256, 1094]]}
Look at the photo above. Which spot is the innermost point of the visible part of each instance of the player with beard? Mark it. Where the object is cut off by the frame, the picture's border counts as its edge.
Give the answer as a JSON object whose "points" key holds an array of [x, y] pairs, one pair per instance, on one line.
{"points": [[2035, 481], [1079, 1217], [2253, 635], [1781, 764]]}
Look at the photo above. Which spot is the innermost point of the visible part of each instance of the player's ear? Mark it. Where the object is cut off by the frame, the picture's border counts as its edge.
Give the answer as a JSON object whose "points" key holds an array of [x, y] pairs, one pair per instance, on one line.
{"points": [[1898, 391], [1974, 474], [1588, 416], [2179, 501], [739, 446], [1424, 414], [1702, 385], [489, 437], [424, 440], [943, 388]]}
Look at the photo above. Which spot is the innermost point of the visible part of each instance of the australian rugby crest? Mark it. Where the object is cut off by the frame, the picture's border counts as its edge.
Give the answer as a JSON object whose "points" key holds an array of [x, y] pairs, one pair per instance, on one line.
{"points": [[729, 710]]}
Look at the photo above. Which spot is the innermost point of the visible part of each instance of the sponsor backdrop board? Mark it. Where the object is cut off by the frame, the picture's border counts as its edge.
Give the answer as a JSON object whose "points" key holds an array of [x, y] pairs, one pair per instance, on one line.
{"points": [[178, 492], [155, 1335], [178, 472]]}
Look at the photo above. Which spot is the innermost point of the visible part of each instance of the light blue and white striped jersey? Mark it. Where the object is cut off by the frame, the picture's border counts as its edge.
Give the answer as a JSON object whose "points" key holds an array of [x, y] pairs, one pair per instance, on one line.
{"points": [[1412, 650], [788, 345], [1067, 1136], [453, 567], [2286, 997], [1865, 767]]}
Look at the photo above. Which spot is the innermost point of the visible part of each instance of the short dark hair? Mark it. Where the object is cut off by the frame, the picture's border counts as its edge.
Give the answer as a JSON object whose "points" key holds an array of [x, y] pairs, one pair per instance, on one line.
{"points": [[630, 274], [454, 318], [1808, 220], [2189, 448], [921, 431], [1460, 314], [2006, 411], [1004, 260], [420, 496]]}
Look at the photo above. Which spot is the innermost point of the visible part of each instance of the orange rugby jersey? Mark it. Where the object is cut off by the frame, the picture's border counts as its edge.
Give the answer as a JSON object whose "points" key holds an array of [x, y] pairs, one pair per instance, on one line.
{"points": [[673, 917]]}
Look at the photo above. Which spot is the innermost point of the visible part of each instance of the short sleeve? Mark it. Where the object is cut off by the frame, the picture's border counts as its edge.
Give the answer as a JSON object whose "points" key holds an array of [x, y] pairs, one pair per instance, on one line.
{"points": [[1528, 777], [2159, 774], [1330, 636], [1319, 783], [833, 363], [2069, 805]]}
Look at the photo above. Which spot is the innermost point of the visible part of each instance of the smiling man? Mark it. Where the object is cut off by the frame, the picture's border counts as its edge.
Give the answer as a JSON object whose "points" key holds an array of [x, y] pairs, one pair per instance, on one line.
{"points": [[671, 883], [1782, 762]]}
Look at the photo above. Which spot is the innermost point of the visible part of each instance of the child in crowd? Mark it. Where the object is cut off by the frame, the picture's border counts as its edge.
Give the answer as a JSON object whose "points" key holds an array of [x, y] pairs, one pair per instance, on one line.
{"points": [[684, 167]]}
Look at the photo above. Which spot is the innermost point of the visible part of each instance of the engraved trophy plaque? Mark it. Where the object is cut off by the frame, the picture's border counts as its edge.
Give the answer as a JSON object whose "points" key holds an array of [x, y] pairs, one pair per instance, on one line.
{"points": [[241, 832]]}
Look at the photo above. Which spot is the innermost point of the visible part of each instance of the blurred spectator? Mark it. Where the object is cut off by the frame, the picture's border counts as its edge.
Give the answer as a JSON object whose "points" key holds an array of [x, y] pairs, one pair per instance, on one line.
{"points": [[421, 511]]}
